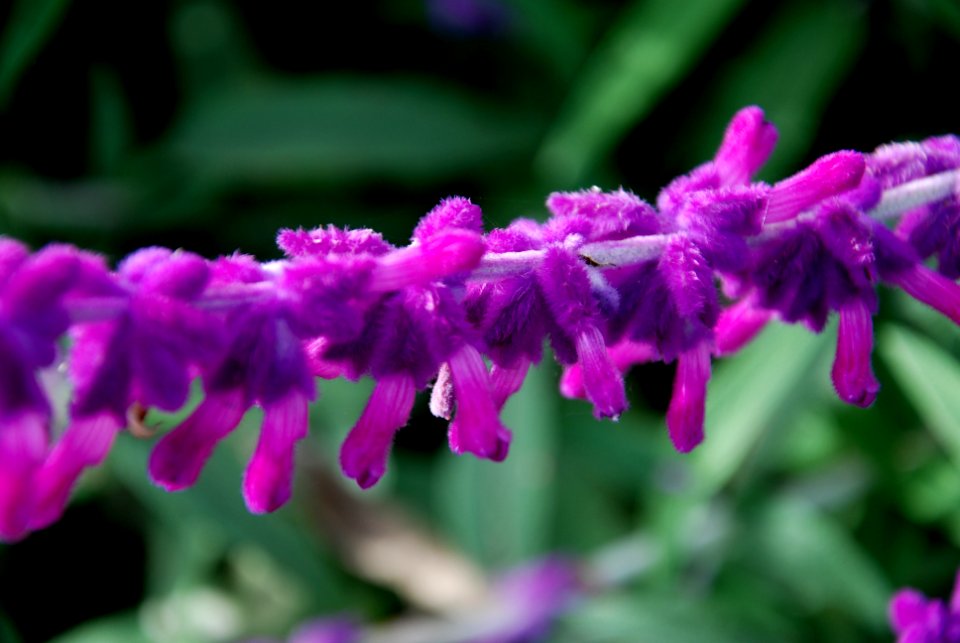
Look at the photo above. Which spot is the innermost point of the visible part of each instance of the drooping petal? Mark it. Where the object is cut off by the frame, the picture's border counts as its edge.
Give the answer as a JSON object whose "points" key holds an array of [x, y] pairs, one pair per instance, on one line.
{"points": [[738, 325], [85, 444], [852, 372], [505, 381], [268, 480], [177, 459], [623, 354], [686, 412], [930, 288], [23, 445], [363, 456], [603, 382], [476, 427]]}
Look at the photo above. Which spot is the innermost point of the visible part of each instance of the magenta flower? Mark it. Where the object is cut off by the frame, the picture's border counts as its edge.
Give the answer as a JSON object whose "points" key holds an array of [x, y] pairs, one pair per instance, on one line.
{"points": [[264, 363], [33, 315], [917, 619], [409, 335]]}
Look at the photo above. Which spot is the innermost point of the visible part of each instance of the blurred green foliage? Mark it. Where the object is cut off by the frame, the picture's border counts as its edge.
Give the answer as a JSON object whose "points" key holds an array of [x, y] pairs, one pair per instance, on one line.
{"points": [[207, 125]]}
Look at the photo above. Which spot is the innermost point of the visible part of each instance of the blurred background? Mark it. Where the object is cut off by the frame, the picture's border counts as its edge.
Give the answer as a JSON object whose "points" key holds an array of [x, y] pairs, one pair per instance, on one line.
{"points": [[208, 125]]}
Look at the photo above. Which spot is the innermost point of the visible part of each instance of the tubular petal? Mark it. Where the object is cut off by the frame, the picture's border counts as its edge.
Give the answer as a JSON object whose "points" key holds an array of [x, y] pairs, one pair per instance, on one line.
{"points": [[23, 444], [852, 373], [747, 144], [738, 325], [363, 455], [177, 459], [269, 476], [476, 428], [686, 411], [504, 382], [85, 444], [932, 289], [602, 380]]}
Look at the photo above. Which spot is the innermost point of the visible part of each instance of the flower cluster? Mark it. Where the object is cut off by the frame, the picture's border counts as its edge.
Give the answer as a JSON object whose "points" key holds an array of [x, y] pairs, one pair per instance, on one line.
{"points": [[608, 279], [917, 619]]}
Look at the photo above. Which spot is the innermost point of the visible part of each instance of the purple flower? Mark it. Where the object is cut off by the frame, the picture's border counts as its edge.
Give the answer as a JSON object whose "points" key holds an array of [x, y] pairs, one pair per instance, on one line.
{"points": [[32, 316], [326, 630], [410, 335], [670, 302], [263, 363], [145, 353], [532, 597], [934, 228], [916, 619]]}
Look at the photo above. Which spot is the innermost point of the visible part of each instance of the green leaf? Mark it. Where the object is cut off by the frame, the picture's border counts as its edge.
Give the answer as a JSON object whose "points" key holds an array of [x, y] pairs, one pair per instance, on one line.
{"points": [[930, 378], [818, 560], [122, 628], [647, 52], [31, 23], [500, 512], [791, 71], [621, 618], [752, 393], [346, 128], [110, 126]]}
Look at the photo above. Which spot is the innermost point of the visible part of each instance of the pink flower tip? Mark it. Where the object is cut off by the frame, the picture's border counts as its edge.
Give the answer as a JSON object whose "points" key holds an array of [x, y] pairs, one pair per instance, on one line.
{"points": [[685, 414], [268, 479]]}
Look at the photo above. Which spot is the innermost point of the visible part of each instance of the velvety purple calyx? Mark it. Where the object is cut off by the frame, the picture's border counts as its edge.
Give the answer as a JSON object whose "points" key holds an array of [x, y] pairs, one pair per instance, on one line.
{"points": [[568, 292], [323, 242], [455, 212], [510, 313], [932, 229], [327, 296], [609, 215], [817, 266], [720, 222], [898, 163], [670, 304]]}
